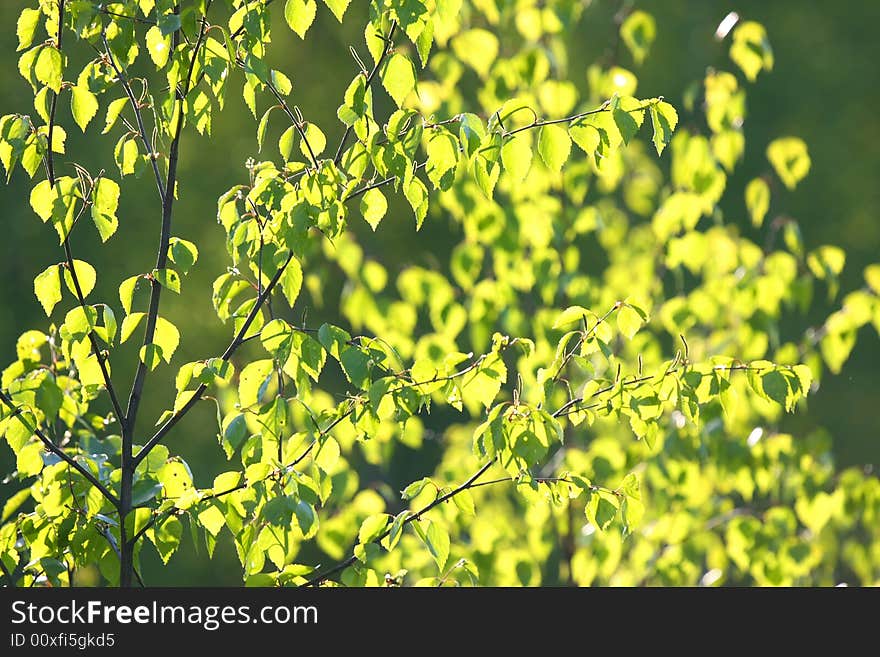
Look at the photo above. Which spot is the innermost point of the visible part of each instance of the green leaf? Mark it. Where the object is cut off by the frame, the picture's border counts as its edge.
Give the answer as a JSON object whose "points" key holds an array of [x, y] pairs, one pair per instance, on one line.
{"points": [[572, 314], [300, 14], [182, 253], [105, 203], [442, 151], [129, 324], [757, 200], [252, 379], [356, 366], [396, 530], [478, 48], [338, 7], [601, 511], [225, 481], [626, 124], [415, 488], [333, 339], [126, 292], [166, 537], [281, 82], [417, 195], [628, 321], [126, 155], [26, 27], [47, 288], [373, 527], [751, 49], [872, 278], [80, 321], [775, 386], [554, 146], [291, 281], [83, 105], [168, 278], [176, 479], [638, 32], [56, 203], [49, 68], [790, 160], [436, 539], [285, 143], [586, 136], [276, 337], [169, 23], [516, 156], [159, 46], [399, 77], [373, 207], [315, 139], [664, 119], [85, 276], [167, 337], [212, 519], [263, 126], [29, 460], [114, 109], [312, 356], [485, 382]]}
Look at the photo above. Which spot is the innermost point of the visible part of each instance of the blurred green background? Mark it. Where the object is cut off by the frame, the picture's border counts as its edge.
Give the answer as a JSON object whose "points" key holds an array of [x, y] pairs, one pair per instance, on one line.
{"points": [[822, 89]]}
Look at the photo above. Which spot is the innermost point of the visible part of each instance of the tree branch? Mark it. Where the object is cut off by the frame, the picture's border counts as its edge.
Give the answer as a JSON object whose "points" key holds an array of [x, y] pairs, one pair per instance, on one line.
{"points": [[102, 360], [294, 120], [469, 483], [165, 234], [197, 395], [142, 131], [388, 48], [50, 173], [52, 447]]}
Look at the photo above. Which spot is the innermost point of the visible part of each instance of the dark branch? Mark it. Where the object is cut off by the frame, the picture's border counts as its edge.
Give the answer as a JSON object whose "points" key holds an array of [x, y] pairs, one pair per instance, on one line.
{"points": [[135, 104], [236, 342], [388, 48], [165, 234], [469, 483], [52, 447]]}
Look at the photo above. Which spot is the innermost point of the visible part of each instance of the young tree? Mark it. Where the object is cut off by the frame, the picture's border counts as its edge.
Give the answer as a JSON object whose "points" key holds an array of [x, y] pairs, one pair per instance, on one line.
{"points": [[604, 346]]}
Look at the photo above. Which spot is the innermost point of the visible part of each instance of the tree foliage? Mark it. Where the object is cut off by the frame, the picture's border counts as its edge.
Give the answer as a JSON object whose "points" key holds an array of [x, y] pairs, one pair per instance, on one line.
{"points": [[611, 355]]}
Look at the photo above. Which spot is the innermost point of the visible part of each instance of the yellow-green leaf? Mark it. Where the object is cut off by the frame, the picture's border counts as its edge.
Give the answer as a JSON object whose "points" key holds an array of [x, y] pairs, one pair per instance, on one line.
{"points": [[85, 276], [299, 15], [751, 49], [757, 200], [664, 119], [554, 145], [83, 105], [338, 7], [47, 287], [638, 32], [790, 160], [373, 207], [399, 77]]}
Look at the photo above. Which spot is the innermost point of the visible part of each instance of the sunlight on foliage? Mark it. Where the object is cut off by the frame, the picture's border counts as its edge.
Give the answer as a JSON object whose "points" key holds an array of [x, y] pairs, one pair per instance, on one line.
{"points": [[600, 364]]}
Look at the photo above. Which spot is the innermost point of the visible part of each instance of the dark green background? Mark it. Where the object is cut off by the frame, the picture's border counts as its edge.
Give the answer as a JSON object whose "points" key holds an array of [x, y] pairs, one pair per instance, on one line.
{"points": [[823, 89]]}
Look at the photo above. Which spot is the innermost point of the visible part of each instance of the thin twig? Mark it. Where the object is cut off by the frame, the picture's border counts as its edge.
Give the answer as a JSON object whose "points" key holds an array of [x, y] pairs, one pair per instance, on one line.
{"points": [[165, 233], [469, 483], [388, 48], [135, 104], [52, 447], [197, 395], [294, 120]]}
